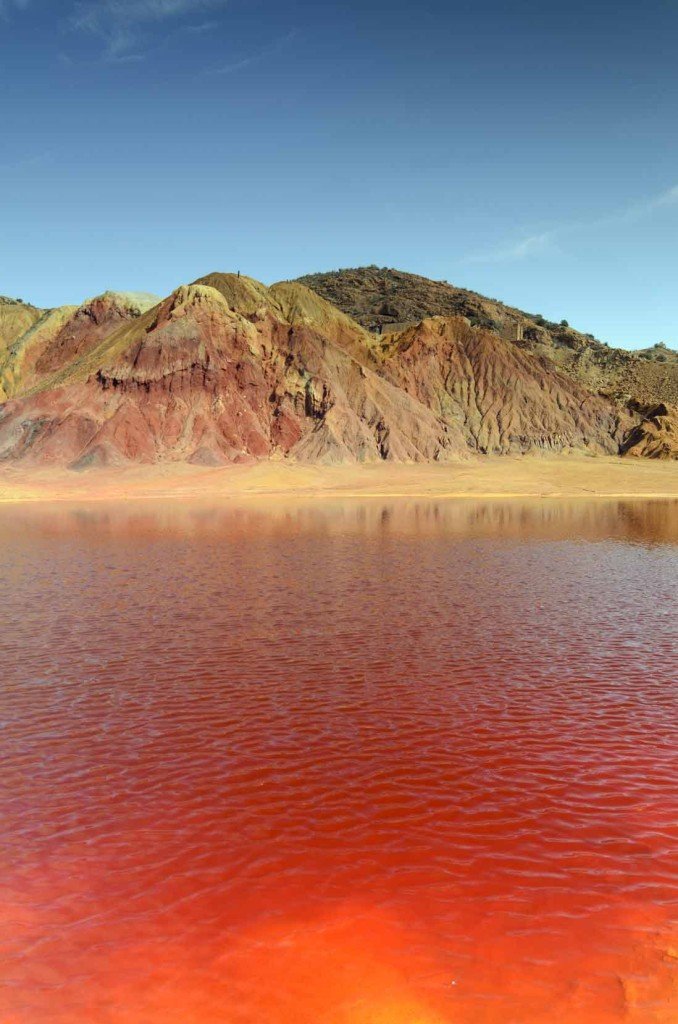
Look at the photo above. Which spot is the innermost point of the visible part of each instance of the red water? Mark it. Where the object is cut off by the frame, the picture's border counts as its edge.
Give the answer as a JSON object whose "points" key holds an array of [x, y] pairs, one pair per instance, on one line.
{"points": [[339, 764]]}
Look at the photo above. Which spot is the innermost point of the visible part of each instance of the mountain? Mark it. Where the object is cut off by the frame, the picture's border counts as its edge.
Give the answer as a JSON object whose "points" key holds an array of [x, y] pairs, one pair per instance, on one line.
{"points": [[228, 370], [210, 375], [53, 338], [389, 300], [505, 400]]}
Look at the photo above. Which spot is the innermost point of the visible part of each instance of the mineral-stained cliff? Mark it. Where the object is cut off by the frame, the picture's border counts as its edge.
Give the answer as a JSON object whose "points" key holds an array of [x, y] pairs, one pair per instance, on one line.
{"points": [[55, 337], [385, 299], [227, 370], [502, 398], [194, 379]]}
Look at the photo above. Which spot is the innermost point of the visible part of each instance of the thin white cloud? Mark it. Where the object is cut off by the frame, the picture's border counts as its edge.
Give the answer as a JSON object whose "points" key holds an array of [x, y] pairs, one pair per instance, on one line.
{"points": [[254, 58], [27, 162], [7, 7], [632, 213], [122, 25], [547, 241], [532, 245], [668, 198], [98, 14], [200, 27]]}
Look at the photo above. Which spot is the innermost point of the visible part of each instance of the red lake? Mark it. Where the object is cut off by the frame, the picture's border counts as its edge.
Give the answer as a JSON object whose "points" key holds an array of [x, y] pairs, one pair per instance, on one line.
{"points": [[360, 762]]}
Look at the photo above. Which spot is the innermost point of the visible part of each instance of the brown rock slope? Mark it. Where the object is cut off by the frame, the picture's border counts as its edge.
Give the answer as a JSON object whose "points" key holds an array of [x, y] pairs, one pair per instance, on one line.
{"points": [[381, 298], [195, 379], [58, 336], [228, 370], [502, 399], [297, 305], [656, 437]]}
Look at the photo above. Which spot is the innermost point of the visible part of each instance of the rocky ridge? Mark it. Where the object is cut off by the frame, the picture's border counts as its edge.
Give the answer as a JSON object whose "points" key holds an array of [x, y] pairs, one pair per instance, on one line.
{"points": [[228, 370], [384, 299]]}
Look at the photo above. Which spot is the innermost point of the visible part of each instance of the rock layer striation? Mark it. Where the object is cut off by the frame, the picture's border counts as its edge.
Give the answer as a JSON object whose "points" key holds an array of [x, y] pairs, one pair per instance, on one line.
{"points": [[226, 370]]}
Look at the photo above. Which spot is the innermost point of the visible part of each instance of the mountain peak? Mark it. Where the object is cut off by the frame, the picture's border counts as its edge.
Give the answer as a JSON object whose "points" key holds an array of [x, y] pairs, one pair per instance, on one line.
{"points": [[385, 300], [228, 370]]}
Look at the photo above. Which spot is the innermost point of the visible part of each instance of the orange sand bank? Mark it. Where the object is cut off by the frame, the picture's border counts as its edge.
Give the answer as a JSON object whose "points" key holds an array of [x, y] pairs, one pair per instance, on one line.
{"points": [[527, 476]]}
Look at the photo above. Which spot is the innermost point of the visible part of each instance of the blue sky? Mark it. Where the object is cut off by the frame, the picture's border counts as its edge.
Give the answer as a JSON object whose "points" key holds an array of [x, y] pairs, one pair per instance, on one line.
{"points": [[527, 150]]}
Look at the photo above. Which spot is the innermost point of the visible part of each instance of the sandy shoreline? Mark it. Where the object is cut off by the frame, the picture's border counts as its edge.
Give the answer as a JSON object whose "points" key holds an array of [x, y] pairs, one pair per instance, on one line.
{"points": [[487, 478]]}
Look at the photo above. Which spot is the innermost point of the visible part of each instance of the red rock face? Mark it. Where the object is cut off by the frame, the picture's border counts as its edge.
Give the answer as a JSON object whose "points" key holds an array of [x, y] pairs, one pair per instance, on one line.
{"points": [[196, 380], [503, 398], [61, 336], [90, 324]]}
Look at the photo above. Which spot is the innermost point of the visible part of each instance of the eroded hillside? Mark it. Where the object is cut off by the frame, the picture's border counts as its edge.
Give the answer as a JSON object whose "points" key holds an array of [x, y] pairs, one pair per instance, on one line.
{"points": [[385, 299], [227, 370]]}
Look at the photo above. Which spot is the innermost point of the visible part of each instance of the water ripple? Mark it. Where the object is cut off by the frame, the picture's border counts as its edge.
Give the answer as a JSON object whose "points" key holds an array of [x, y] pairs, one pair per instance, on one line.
{"points": [[339, 765]]}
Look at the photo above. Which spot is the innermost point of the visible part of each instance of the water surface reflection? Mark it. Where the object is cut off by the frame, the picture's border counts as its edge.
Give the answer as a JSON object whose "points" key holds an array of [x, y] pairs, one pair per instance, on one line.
{"points": [[359, 762]]}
